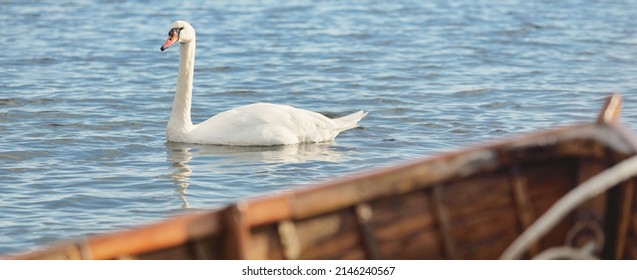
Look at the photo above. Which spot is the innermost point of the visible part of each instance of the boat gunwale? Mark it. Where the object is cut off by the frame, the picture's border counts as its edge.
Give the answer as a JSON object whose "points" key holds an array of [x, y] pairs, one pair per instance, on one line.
{"points": [[489, 154]]}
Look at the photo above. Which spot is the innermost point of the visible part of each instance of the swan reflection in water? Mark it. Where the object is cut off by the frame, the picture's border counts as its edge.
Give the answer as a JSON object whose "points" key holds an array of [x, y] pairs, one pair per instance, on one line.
{"points": [[217, 159]]}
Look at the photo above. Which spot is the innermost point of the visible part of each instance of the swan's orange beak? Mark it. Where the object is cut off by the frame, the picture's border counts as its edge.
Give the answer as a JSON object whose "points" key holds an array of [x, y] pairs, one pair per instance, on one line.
{"points": [[172, 38]]}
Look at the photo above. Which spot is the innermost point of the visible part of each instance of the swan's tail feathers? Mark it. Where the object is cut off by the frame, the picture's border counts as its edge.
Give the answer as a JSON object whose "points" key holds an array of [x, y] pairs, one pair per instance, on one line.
{"points": [[349, 121]]}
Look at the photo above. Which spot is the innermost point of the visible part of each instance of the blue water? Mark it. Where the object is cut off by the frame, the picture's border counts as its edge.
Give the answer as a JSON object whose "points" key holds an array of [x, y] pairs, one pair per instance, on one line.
{"points": [[85, 95]]}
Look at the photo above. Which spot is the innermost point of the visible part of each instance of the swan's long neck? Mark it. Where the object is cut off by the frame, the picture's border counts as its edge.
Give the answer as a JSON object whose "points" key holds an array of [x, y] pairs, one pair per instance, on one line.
{"points": [[180, 119]]}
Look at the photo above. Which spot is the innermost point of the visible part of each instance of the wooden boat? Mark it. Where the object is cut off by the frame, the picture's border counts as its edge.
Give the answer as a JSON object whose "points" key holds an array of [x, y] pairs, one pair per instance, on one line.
{"points": [[469, 204]]}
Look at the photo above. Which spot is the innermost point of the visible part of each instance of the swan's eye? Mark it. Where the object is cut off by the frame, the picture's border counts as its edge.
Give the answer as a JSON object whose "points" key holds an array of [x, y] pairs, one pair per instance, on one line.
{"points": [[175, 30]]}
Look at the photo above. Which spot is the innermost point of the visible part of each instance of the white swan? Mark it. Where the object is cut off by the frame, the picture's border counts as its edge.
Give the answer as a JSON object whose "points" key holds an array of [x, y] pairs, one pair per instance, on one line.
{"points": [[259, 124]]}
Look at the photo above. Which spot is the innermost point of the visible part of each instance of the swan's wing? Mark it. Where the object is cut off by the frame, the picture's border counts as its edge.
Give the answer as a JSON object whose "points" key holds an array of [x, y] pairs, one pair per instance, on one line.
{"points": [[267, 124]]}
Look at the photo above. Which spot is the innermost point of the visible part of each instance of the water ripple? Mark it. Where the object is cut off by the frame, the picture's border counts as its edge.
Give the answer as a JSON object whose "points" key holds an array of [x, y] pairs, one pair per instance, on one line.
{"points": [[86, 95]]}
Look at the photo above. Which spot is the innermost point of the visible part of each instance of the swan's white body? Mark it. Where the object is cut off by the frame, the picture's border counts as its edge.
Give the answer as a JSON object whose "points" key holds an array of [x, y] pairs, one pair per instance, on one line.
{"points": [[259, 124]]}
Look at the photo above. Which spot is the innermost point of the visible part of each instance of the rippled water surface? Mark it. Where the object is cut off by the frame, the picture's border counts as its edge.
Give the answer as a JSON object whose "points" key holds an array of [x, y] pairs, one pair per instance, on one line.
{"points": [[85, 95]]}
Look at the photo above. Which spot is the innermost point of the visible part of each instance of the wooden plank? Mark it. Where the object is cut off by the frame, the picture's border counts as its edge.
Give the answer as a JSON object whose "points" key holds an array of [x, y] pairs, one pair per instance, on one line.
{"points": [[523, 203], [314, 231], [617, 205], [444, 224], [364, 219], [391, 182], [490, 249], [77, 250], [592, 212], [163, 235], [628, 192], [422, 245], [557, 235], [405, 228], [202, 249], [237, 237], [343, 244], [289, 239], [485, 226], [266, 244], [595, 207], [402, 215], [632, 237], [549, 179], [267, 210], [465, 199]]}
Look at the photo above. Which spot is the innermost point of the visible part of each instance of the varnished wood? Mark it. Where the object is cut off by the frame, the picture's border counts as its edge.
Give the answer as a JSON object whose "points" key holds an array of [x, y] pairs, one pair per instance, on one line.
{"points": [[627, 194], [523, 203], [364, 217], [611, 110], [444, 226], [237, 236]]}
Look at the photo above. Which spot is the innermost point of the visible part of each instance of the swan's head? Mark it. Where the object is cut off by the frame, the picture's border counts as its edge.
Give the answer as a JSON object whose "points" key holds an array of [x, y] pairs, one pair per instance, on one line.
{"points": [[180, 32]]}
